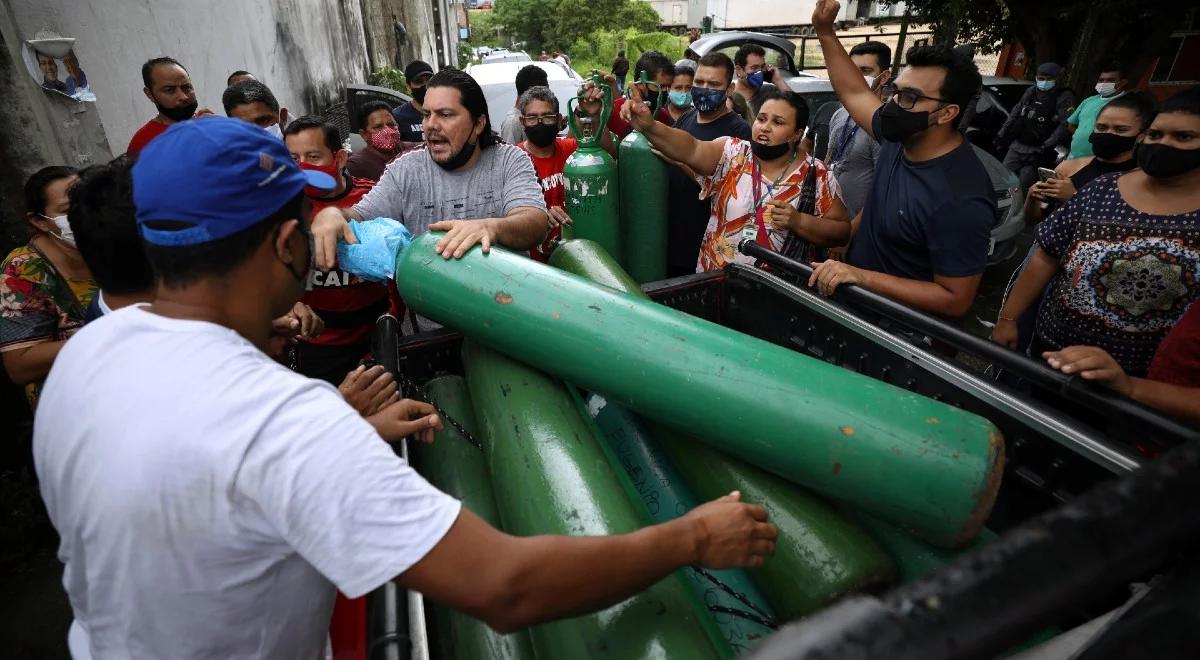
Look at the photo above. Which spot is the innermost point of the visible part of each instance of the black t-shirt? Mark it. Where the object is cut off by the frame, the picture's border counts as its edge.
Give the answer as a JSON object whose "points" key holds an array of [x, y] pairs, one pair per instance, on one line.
{"points": [[408, 120], [926, 218], [688, 214]]}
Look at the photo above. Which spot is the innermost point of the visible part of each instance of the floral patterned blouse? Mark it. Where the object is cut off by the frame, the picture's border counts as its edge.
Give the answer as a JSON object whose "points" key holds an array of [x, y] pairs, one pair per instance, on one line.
{"points": [[37, 304], [731, 188]]}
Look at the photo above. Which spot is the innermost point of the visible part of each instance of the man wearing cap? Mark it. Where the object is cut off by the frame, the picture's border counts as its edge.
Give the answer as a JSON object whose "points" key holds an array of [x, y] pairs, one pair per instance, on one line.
{"points": [[209, 501], [1037, 125], [465, 182], [409, 116]]}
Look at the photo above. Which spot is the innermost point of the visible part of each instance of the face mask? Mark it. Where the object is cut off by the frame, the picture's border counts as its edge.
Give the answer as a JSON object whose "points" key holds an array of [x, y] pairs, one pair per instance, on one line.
{"points": [[273, 129], [755, 80], [418, 94], [680, 99], [385, 140], [459, 159], [64, 228], [541, 134], [770, 151], [179, 114], [898, 125], [1106, 88], [1111, 145], [317, 193], [707, 100], [871, 81], [650, 98], [1045, 85], [1163, 162]]}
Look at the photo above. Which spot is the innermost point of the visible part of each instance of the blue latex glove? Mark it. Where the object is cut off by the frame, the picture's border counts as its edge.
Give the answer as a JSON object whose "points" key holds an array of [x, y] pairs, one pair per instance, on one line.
{"points": [[373, 257]]}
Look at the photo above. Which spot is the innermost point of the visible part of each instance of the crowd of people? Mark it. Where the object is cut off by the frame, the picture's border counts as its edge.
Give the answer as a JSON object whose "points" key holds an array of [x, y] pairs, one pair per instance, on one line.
{"points": [[220, 400]]}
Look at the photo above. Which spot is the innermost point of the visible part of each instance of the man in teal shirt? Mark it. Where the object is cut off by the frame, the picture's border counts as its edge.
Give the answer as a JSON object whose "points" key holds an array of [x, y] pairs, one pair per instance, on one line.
{"points": [[1110, 85]]}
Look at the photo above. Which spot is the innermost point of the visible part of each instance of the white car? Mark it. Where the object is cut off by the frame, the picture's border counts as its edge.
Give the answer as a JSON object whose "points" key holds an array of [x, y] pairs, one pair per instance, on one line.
{"points": [[503, 55], [498, 81]]}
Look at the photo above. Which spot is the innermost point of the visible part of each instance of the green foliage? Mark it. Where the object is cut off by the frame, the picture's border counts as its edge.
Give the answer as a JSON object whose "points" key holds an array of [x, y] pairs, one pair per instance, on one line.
{"points": [[598, 49], [486, 29], [389, 77], [559, 24]]}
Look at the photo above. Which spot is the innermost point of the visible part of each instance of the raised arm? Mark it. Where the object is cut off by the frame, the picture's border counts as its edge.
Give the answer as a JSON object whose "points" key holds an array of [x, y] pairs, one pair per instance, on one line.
{"points": [[847, 80], [699, 156], [590, 103], [512, 582]]}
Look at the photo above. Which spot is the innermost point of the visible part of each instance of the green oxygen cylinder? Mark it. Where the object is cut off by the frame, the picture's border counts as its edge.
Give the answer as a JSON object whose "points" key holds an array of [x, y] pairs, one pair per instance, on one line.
{"points": [[550, 476], [459, 469], [644, 191], [819, 555], [914, 558], [929, 467], [661, 493], [593, 201]]}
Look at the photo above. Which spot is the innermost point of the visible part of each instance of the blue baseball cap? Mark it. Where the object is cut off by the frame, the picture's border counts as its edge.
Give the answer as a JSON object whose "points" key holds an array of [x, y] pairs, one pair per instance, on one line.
{"points": [[218, 175]]}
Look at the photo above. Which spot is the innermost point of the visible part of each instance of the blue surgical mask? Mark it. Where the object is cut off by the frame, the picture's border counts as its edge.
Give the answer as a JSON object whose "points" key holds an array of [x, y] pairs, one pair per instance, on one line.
{"points": [[680, 99], [706, 100], [755, 79], [1045, 85]]}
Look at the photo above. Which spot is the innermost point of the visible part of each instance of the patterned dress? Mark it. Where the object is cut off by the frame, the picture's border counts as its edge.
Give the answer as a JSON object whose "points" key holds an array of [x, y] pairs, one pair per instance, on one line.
{"points": [[37, 304], [1125, 277], [732, 192]]}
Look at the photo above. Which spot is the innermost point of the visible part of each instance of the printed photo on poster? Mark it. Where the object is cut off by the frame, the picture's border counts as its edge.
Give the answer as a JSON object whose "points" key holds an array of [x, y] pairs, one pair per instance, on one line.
{"points": [[52, 62]]}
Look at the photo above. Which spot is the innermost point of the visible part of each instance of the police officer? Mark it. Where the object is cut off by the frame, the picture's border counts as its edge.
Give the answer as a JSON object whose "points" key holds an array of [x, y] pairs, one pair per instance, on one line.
{"points": [[1037, 125]]}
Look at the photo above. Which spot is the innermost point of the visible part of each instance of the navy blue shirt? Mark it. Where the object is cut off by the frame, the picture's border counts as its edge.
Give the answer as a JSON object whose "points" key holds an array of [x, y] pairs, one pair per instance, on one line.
{"points": [[687, 213], [928, 218], [408, 121]]}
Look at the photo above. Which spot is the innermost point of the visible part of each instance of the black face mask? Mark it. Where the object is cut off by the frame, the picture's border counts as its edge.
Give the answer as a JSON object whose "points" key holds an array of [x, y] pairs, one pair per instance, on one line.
{"points": [[179, 114], [459, 159], [1111, 145], [541, 134], [898, 125], [418, 94], [1163, 162], [770, 151]]}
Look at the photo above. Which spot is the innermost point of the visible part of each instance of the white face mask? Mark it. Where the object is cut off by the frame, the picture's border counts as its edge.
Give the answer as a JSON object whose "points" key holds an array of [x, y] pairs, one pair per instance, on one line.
{"points": [[871, 81], [1106, 88], [64, 228], [274, 129]]}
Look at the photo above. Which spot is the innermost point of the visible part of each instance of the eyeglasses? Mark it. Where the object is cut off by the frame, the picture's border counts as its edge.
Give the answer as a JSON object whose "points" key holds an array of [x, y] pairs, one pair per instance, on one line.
{"points": [[906, 98], [548, 120]]}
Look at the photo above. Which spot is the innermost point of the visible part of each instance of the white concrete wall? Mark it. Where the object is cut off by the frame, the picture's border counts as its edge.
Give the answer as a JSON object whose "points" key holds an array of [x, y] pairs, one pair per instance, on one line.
{"points": [[304, 50]]}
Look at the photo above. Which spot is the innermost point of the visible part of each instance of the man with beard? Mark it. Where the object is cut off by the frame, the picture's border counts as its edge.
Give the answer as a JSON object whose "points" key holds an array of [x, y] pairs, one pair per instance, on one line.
{"points": [[924, 233], [465, 182], [169, 88]]}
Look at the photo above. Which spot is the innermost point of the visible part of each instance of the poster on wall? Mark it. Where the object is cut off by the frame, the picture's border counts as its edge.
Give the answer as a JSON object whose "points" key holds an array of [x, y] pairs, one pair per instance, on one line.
{"points": [[53, 64]]}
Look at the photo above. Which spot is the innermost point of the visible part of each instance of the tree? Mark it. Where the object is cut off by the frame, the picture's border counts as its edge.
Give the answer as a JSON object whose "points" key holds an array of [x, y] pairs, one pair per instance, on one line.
{"points": [[1130, 32], [558, 24]]}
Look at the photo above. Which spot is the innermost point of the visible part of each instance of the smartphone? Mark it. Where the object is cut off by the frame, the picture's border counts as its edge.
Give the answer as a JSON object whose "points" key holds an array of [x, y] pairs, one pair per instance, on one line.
{"points": [[769, 74], [1045, 174]]}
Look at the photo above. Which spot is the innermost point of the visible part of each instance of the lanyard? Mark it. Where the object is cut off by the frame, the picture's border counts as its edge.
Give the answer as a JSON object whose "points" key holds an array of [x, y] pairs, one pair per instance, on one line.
{"points": [[757, 230], [847, 135]]}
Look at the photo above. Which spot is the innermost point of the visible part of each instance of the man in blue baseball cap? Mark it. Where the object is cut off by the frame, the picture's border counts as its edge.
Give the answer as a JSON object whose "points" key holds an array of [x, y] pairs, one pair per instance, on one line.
{"points": [[209, 500]]}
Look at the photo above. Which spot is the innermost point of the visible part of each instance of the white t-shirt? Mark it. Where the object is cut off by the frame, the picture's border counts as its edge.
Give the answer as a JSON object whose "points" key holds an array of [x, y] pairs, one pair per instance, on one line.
{"points": [[209, 500]]}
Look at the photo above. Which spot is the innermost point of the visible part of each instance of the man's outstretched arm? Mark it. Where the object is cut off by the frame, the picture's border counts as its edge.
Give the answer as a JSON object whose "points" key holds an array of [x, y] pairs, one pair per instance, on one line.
{"points": [[512, 582]]}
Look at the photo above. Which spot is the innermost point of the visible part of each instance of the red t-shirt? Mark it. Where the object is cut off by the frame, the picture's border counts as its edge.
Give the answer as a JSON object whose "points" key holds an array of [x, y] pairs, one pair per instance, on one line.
{"points": [[554, 187], [622, 128], [144, 135], [1177, 360], [348, 306]]}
